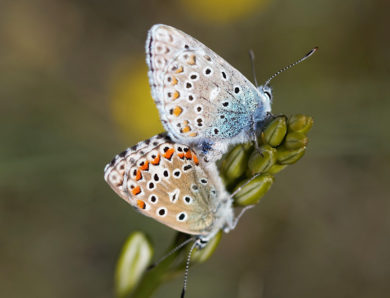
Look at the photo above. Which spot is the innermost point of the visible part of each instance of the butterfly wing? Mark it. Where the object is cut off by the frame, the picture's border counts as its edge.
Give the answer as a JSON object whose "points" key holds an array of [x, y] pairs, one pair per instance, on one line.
{"points": [[165, 181], [199, 95]]}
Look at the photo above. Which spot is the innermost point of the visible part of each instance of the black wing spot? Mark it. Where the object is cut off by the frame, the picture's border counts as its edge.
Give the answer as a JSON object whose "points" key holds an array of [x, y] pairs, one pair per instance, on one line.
{"points": [[187, 167], [122, 154]]}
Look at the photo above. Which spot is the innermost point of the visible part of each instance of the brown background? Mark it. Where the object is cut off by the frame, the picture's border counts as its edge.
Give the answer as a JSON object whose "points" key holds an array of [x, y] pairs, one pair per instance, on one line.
{"points": [[73, 93]]}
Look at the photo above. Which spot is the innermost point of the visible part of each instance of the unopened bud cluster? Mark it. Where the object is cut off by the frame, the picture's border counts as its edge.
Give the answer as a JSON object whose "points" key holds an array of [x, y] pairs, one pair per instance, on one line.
{"points": [[282, 143]]}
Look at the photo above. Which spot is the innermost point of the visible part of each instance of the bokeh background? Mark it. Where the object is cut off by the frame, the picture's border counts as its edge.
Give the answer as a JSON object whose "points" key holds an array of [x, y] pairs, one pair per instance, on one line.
{"points": [[74, 92]]}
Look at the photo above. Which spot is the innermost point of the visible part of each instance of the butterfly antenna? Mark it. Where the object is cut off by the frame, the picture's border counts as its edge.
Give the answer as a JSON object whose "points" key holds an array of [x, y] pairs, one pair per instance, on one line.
{"points": [[252, 58], [312, 51], [171, 252], [183, 292]]}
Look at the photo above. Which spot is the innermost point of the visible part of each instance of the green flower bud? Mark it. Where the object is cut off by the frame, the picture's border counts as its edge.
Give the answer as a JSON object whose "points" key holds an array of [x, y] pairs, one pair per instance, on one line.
{"points": [[251, 192], [136, 254], [235, 162], [287, 157], [260, 162], [300, 123], [275, 131], [276, 168], [200, 256], [295, 140]]}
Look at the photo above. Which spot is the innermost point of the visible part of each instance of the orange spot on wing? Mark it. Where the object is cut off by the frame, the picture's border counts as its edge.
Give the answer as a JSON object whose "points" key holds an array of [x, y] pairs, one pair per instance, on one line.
{"points": [[174, 81], [145, 166], [193, 134], [136, 190], [191, 60], [195, 159], [186, 129], [175, 95], [181, 155], [177, 111], [138, 176], [141, 204], [188, 154], [179, 70], [168, 153], [156, 161]]}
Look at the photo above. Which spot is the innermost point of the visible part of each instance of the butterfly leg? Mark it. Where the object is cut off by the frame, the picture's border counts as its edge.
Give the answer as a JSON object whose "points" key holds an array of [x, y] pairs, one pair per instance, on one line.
{"points": [[243, 210], [255, 140], [184, 243], [237, 218], [245, 184]]}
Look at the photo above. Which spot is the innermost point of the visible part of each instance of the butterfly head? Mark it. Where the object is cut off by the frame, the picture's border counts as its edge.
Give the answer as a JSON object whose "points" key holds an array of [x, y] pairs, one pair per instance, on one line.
{"points": [[265, 100], [266, 94]]}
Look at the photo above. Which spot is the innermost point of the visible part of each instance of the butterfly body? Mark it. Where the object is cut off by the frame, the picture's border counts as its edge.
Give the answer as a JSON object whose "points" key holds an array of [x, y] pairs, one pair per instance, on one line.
{"points": [[203, 101], [166, 181]]}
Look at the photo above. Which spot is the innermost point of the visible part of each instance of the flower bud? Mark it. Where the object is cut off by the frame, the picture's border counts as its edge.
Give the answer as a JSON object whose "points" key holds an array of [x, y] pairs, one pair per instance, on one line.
{"points": [[275, 131], [300, 123], [252, 190], [136, 254], [276, 168], [235, 162], [295, 140], [260, 162], [287, 157]]}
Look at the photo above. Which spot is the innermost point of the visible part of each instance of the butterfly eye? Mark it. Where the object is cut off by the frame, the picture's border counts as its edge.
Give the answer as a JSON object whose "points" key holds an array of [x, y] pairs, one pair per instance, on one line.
{"points": [[269, 95]]}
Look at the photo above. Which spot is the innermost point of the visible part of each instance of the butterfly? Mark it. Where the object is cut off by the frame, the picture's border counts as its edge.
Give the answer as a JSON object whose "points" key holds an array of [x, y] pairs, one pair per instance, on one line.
{"points": [[166, 181], [203, 101]]}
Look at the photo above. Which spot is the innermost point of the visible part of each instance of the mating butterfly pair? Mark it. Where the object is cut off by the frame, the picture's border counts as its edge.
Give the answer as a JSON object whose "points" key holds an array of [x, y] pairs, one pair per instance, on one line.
{"points": [[205, 105]]}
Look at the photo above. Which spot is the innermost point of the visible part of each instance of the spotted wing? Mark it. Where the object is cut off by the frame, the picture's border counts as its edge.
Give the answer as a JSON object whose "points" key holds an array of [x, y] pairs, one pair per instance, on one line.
{"points": [[165, 181], [199, 95]]}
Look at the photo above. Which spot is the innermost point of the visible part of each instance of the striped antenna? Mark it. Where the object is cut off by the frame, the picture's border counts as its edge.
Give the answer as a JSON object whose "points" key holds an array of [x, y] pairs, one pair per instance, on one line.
{"points": [[312, 51]]}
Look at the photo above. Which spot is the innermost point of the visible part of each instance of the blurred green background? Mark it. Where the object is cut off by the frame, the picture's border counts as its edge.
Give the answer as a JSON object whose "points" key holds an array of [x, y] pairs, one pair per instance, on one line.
{"points": [[74, 92]]}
